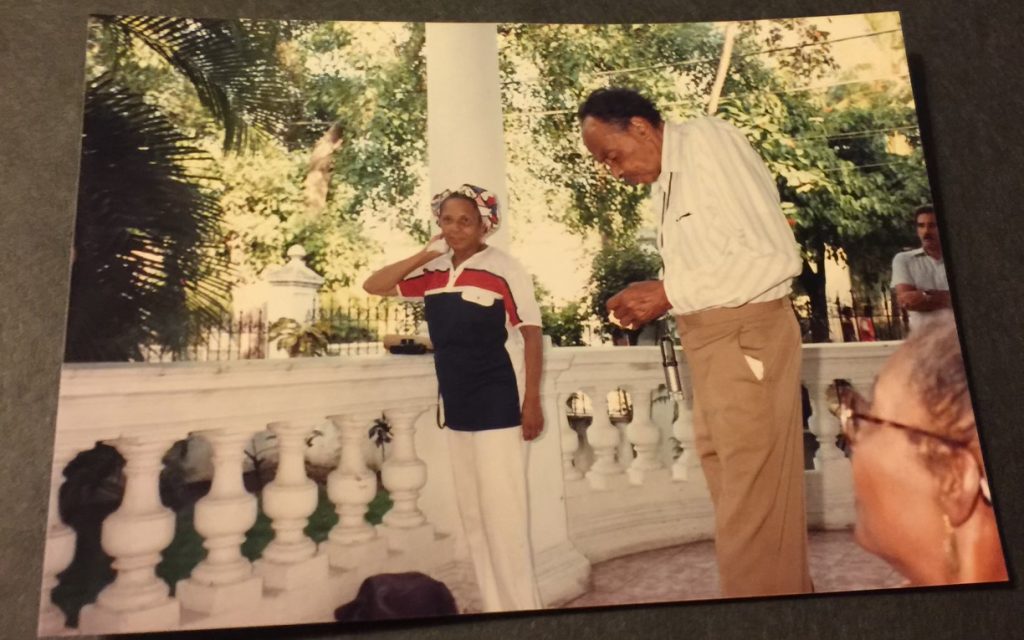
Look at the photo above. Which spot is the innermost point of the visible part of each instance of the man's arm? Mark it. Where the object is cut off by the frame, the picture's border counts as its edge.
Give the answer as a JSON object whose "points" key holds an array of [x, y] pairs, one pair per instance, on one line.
{"points": [[916, 299], [533, 415]]}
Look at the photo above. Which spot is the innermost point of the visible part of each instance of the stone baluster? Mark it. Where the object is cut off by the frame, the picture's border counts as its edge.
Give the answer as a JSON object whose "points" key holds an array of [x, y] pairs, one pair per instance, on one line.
{"points": [[644, 435], [833, 468], [290, 560], [404, 475], [570, 441], [353, 544], [824, 426], [687, 466], [224, 580], [60, 546], [134, 536], [604, 437]]}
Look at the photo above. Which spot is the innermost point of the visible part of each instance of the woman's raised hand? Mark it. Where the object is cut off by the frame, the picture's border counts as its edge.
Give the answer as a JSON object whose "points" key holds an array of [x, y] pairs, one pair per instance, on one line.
{"points": [[437, 246]]}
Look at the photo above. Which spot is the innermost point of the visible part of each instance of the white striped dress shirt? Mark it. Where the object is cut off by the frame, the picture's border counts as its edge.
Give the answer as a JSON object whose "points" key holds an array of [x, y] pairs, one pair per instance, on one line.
{"points": [[723, 237]]}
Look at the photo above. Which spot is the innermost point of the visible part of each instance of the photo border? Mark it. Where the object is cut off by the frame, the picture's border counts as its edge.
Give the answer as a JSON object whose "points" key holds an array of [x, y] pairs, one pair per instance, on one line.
{"points": [[33, 355]]}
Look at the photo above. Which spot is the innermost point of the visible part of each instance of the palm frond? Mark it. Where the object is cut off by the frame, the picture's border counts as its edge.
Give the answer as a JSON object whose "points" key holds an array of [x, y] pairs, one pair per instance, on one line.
{"points": [[231, 63], [147, 265]]}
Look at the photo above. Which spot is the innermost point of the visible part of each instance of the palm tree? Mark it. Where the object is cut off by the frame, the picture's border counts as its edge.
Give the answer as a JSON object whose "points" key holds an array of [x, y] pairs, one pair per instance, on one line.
{"points": [[148, 269]]}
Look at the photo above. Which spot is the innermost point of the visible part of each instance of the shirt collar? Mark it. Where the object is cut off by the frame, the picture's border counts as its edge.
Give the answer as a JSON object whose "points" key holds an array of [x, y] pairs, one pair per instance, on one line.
{"points": [[668, 141], [447, 259], [919, 252]]}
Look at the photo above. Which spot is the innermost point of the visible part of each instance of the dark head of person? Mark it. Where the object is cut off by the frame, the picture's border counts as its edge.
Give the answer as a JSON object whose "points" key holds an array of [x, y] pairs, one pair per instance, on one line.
{"points": [[927, 229], [623, 131]]}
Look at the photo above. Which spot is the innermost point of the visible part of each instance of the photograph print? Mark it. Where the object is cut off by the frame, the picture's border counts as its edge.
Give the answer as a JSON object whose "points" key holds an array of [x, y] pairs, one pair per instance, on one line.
{"points": [[381, 320]]}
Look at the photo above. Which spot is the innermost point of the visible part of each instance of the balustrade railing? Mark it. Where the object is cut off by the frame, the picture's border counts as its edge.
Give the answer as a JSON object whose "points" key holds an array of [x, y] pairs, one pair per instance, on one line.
{"points": [[643, 489]]}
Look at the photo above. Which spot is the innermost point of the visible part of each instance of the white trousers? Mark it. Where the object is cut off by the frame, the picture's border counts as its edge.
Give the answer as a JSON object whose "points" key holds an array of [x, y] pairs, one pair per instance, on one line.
{"points": [[489, 469]]}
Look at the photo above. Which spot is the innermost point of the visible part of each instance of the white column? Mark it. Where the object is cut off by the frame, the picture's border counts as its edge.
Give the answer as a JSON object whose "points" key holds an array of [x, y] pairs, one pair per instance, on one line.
{"points": [[353, 544], [570, 441], [290, 560], [224, 580], [604, 438], [134, 536], [643, 435], [832, 467], [465, 132], [60, 546]]}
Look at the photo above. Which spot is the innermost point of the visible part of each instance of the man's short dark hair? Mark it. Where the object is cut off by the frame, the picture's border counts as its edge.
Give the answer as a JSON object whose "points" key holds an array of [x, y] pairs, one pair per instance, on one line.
{"points": [[924, 208], [616, 106]]}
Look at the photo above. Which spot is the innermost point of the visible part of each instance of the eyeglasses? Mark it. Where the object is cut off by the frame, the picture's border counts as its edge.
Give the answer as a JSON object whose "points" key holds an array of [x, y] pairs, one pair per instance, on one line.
{"points": [[853, 416], [848, 406]]}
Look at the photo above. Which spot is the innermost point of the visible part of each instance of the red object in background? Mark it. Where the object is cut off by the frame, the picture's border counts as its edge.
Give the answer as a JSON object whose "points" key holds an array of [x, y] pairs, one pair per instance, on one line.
{"points": [[866, 329]]}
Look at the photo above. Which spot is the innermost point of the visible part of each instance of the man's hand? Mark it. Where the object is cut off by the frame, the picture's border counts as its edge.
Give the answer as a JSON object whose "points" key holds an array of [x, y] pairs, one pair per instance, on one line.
{"points": [[533, 418], [639, 303]]}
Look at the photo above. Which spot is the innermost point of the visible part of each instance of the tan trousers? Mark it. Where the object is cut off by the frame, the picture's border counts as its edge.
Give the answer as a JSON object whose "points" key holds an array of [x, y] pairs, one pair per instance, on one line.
{"points": [[748, 434]]}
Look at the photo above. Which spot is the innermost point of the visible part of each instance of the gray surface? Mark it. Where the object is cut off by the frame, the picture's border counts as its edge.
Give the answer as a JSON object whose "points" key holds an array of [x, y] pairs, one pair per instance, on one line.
{"points": [[968, 75]]}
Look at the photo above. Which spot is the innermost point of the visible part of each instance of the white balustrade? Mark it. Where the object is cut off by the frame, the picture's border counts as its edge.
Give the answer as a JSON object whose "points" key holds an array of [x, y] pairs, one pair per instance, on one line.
{"points": [[60, 546], [404, 475], [569, 439], [290, 560], [134, 536], [353, 544], [605, 438], [143, 408], [825, 427], [687, 466], [643, 435], [832, 470], [224, 580]]}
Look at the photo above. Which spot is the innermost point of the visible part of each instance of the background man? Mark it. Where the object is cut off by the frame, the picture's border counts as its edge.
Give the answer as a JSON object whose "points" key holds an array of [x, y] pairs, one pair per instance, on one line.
{"points": [[729, 259], [919, 275]]}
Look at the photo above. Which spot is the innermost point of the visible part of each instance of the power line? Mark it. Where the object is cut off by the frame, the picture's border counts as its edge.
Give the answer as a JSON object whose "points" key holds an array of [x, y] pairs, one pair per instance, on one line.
{"points": [[855, 134], [865, 166]]}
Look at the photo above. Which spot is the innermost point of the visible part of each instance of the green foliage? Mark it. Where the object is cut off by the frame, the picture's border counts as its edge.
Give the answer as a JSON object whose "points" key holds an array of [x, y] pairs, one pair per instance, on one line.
{"points": [[377, 92], [380, 432], [846, 160], [230, 66], [146, 261], [305, 339], [616, 266], [566, 324], [265, 213], [149, 267]]}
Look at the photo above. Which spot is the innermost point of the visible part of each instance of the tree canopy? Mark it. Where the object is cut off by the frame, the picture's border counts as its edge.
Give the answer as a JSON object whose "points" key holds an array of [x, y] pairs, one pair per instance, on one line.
{"points": [[845, 154]]}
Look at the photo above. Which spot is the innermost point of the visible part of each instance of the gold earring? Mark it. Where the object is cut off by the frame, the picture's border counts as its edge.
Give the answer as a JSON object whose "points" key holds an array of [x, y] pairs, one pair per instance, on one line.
{"points": [[950, 548]]}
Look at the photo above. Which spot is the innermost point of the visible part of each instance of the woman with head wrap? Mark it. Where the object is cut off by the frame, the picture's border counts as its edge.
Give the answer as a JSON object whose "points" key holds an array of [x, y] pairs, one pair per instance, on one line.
{"points": [[484, 323], [922, 495]]}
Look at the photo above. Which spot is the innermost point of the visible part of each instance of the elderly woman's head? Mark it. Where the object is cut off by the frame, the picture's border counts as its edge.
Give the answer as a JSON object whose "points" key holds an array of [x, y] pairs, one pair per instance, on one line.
{"points": [[922, 495], [466, 215]]}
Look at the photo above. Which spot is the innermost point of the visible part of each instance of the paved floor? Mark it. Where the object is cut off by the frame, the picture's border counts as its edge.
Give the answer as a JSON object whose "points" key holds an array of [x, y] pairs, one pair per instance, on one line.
{"points": [[688, 572]]}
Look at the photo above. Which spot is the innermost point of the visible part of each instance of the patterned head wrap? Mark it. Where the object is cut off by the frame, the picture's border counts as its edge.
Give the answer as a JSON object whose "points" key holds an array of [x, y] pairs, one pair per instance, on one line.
{"points": [[485, 201]]}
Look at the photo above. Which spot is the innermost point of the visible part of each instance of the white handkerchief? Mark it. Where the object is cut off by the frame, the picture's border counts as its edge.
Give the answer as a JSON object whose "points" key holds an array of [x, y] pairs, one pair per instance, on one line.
{"points": [[756, 366]]}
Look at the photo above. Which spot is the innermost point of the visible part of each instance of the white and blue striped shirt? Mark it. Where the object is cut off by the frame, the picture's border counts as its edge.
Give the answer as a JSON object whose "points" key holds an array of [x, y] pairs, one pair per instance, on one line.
{"points": [[723, 237]]}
